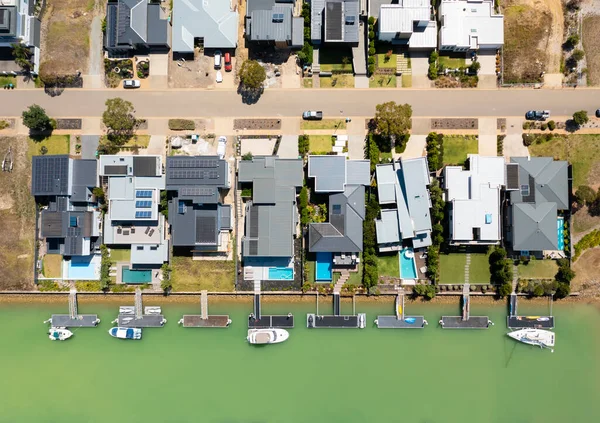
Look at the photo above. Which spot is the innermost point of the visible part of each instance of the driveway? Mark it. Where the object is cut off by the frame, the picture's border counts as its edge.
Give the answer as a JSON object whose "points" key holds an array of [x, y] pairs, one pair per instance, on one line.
{"points": [[487, 72], [487, 137], [159, 71], [156, 145], [513, 143], [288, 147], [95, 73], [419, 62], [89, 145], [356, 138], [415, 147]]}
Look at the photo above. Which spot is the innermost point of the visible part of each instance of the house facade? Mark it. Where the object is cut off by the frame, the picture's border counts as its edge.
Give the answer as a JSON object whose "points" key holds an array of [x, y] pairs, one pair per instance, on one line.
{"points": [[272, 22], [409, 23]]}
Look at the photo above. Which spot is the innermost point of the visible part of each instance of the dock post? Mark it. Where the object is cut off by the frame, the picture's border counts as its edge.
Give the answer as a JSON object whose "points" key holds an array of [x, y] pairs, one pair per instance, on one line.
{"points": [[138, 303], [73, 303], [466, 306], [336, 304], [204, 304]]}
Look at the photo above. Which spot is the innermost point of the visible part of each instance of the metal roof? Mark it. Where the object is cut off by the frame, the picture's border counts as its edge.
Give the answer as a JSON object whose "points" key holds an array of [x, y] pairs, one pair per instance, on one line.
{"points": [[272, 24], [196, 171], [51, 175], [547, 180], [144, 254], [341, 20], [333, 173], [133, 22], [386, 227], [411, 18], [470, 24], [534, 227]]}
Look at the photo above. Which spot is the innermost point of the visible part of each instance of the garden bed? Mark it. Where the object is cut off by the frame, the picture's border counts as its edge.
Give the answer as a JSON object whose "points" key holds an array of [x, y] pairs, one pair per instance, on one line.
{"points": [[68, 123], [243, 124], [454, 123], [117, 70]]}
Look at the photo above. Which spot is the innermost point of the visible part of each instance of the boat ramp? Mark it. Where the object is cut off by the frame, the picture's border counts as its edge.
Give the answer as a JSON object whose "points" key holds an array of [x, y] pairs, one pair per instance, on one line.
{"points": [[400, 321], [466, 321], [256, 320], [73, 319], [204, 320], [137, 316], [514, 321], [336, 321]]}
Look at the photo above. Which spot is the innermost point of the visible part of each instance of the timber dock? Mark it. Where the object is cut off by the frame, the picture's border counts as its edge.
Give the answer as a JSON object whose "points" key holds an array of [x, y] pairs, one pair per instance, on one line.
{"points": [[204, 320], [514, 321], [466, 321], [256, 320], [133, 317], [336, 321], [73, 319], [400, 321]]}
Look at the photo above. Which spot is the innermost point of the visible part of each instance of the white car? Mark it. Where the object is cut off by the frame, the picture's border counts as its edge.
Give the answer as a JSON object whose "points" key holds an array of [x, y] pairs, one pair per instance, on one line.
{"points": [[219, 77], [131, 83], [221, 146]]}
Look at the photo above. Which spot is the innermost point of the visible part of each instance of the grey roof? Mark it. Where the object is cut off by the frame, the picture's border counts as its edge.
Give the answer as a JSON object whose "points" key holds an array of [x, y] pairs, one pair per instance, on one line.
{"points": [[196, 171], [198, 225], [341, 20], [386, 228], [135, 22], [416, 180], [145, 165], [263, 191], [50, 175], [287, 172], [333, 173], [84, 180], [69, 228], [297, 32], [546, 178], [8, 21], [273, 21], [344, 231], [212, 20], [534, 227]]}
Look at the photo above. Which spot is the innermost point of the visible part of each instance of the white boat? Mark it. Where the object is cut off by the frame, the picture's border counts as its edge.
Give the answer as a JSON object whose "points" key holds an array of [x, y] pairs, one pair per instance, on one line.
{"points": [[125, 333], [267, 336], [59, 334], [538, 337]]}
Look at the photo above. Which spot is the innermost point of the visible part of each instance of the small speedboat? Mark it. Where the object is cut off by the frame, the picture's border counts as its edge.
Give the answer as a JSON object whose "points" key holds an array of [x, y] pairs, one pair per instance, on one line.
{"points": [[125, 333], [59, 334], [537, 337], [267, 336], [410, 320]]}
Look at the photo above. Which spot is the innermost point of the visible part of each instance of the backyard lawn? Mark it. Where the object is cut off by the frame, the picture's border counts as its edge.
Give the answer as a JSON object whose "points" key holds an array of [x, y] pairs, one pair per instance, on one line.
{"points": [[354, 279], [388, 265], [336, 58], [452, 268], [310, 268], [196, 275], [538, 269], [456, 148], [55, 144], [382, 81], [323, 124], [120, 254], [479, 269], [52, 265], [337, 81], [319, 143]]}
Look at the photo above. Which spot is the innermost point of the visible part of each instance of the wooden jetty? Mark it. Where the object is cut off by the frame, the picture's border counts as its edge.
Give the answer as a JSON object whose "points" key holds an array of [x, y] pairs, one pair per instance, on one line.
{"points": [[514, 321], [336, 321], [256, 320], [204, 320], [73, 319], [466, 321], [400, 321], [139, 317]]}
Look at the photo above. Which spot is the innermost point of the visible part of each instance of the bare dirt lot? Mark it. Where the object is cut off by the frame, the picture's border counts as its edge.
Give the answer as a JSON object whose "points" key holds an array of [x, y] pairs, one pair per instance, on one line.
{"points": [[17, 218], [591, 46], [587, 270], [66, 36], [533, 35]]}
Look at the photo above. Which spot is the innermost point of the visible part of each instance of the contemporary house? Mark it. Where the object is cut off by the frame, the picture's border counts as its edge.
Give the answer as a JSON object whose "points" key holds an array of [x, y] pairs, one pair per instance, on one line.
{"points": [[272, 22], [335, 22], [206, 23], [18, 25], [405, 220], [539, 202], [271, 216], [344, 180], [474, 195], [136, 27], [70, 223], [468, 25], [409, 23], [133, 185], [197, 216]]}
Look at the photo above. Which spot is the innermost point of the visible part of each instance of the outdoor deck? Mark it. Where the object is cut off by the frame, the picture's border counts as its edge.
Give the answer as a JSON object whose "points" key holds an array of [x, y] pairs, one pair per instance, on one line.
{"points": [[466, 321], [400, 321], [73, 319], [203, 320], [336, 322], [514, 321], [257, 320], [139, 317]]}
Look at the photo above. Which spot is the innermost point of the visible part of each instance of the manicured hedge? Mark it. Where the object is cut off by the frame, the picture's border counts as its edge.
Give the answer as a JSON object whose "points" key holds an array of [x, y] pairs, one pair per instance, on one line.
{"points": [[181, 125]]}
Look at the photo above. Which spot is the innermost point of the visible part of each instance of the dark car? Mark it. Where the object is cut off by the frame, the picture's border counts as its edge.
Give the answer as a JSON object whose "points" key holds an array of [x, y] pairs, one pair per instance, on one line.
{"points": [[598, 113], [227, 60], [537, 115]]}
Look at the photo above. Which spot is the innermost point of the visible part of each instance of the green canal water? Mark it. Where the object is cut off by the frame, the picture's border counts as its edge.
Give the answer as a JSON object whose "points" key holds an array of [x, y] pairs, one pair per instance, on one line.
{"points": [[372, 375]]}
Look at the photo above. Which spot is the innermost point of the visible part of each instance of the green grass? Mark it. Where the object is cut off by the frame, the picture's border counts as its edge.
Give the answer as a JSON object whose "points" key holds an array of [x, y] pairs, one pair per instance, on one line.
{"points": [[382, 81], [323, 124], [52, 264], [538, 269], [56, 144], [331, 59], [385, 155], [88, 286], [5, 80], [307, 82], [120, 254], [406, 81], [319, 143], [456, 148], [452, 62], [354, 279], [452, 268], [311, 268], [196, 275], [337, 81], [479, 270], [381, 62], [388, 265]]}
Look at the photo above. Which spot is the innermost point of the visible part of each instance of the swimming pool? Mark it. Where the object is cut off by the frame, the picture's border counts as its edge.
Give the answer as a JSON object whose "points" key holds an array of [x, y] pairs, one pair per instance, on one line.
{"points": [[136, 276], [281, 273], [82, 268], [560, 223], [323, 267], [408, 268]]}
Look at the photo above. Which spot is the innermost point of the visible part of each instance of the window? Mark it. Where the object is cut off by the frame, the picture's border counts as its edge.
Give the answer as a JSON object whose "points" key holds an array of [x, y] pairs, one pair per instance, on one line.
{"points": [[337, 209], [525, 190], [73, 222], [154, 248], [140, 247], [182, 207]]}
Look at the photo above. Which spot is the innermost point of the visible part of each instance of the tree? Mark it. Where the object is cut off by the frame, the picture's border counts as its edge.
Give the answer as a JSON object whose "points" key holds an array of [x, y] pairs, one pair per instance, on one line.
{"points": [[563, 290], [120, 120], [427, 291], [35, 118], [393, 120], [433, 262], [105, 265], [538, 291], [303, 204], [252, 75], [474, 68], [43, 150], [577, 55], [551, 125], [580, 117], [166, 283], [22, 55], [303, 145], [504, 290], [164, 203], [306, 53], [565, 274], [571, 42], [372, 151], [248, 156], [585, 195]]}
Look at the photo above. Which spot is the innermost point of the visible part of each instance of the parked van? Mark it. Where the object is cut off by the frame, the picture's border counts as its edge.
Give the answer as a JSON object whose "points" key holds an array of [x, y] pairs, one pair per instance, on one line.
{"points": [[218, 57]]}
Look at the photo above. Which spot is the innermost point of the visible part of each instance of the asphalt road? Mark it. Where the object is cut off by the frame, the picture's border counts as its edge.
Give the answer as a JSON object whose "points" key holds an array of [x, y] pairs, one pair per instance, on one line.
{"points": [[286, 103]]}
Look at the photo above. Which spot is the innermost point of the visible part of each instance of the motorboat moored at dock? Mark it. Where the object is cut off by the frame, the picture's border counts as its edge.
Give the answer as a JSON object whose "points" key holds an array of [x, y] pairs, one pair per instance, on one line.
{"points": [[125, 333], [59, 334], [267, 336], [537, 337]]}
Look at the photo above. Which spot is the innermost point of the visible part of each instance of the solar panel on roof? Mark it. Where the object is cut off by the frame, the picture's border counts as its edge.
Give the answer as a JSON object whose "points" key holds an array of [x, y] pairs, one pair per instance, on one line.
{"points": [[213, 174], [143, 204], [143, 194], [143, 214]]}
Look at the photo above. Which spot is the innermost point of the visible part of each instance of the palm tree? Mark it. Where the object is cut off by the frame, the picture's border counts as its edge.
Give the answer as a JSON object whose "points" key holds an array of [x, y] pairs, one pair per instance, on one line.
{"points": [[22, 55]]}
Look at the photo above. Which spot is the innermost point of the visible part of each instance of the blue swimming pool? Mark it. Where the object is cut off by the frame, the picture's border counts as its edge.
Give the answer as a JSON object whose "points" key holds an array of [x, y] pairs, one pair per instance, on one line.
{"points": [[324, 267], [408, 268], [136, 276], [281, 273], [559, 233], [82, 268]]}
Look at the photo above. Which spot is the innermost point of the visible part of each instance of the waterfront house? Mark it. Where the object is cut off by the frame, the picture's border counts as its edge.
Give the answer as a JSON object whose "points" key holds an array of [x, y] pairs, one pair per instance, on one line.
{"points": [[132, 185], [335, 22], [408, 23], [474, 194], [272, 23], [344, 180], [197, 216], [405, 219]]}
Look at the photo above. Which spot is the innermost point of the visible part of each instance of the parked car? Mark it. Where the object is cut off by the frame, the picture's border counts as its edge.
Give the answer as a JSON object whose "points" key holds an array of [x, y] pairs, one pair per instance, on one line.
{"points": [[227, 62], [221, 146], [131, 83], [218, 58], [598, 113], [537, 115], [312, 115], [219, 76]]}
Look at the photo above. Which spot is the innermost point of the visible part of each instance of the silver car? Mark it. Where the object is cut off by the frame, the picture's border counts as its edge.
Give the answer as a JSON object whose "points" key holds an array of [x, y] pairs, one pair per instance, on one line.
{"points": [[131, 83]]}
